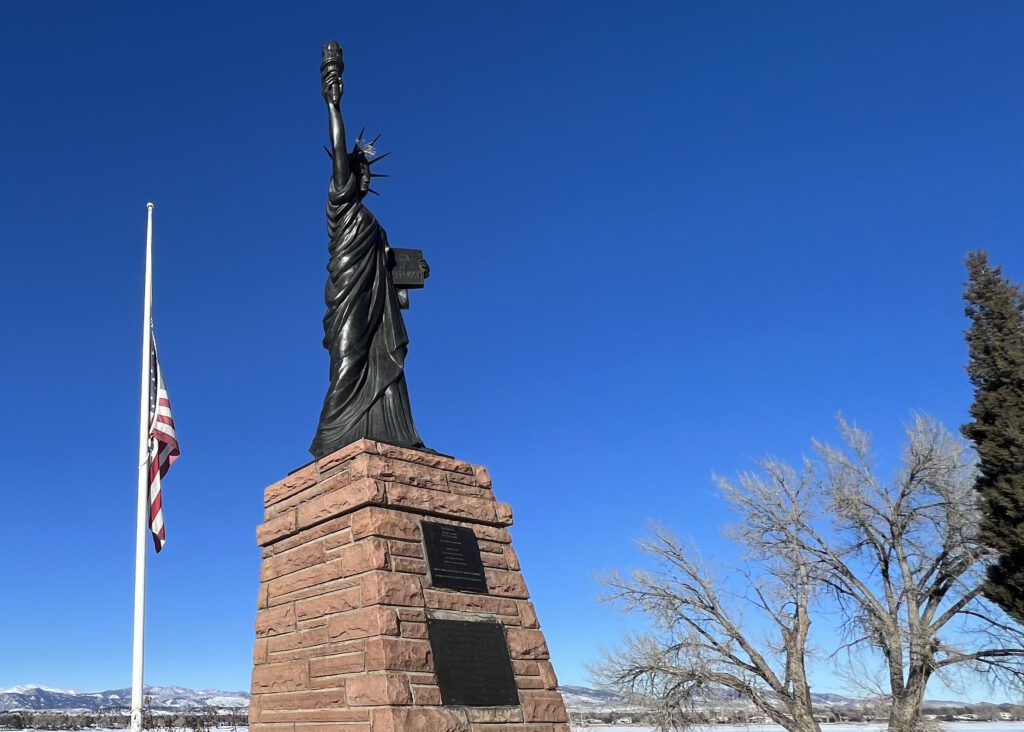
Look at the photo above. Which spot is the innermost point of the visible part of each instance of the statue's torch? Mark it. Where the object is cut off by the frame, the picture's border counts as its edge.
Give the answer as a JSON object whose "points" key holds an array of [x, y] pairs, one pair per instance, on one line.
{"points": [[331, 66]]}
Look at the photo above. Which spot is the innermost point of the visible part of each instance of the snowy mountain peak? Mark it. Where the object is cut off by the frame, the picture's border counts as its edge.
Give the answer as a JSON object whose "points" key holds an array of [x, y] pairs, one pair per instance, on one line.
{"points": [[29, 688]]}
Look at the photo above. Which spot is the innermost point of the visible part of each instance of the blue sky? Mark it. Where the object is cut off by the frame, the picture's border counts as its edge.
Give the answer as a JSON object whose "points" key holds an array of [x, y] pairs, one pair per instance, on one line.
{"points": [[665, 239]]}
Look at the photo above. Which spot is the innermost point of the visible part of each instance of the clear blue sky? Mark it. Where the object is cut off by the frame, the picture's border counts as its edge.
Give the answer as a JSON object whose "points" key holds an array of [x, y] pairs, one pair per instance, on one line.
{"points": [[666, 238]]}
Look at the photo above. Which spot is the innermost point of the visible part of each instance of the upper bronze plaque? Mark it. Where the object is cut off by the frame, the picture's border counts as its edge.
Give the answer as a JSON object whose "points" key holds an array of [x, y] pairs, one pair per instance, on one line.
{"points": [[472, 663], [454, 557]]}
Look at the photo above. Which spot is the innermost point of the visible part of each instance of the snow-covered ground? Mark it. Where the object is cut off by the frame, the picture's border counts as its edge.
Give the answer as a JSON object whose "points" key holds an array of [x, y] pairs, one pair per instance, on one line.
{"points": [[866, 727]]}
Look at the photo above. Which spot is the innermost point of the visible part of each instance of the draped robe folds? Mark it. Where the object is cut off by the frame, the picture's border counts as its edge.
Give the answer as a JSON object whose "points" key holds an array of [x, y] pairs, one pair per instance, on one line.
{"points": [[363, 332]]}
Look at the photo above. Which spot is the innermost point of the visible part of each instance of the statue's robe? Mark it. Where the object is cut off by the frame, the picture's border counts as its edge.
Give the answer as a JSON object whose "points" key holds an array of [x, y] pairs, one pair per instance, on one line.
{"points": [[363, 332]]}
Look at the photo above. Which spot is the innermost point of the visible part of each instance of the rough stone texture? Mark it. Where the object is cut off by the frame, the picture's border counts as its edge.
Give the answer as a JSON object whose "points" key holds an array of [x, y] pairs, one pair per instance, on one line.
{"points": [[341, 626]]}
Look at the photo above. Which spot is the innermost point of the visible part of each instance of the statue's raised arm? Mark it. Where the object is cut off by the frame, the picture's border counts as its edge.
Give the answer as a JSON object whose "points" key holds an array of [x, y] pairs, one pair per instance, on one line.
{"points": [[331, 86]]}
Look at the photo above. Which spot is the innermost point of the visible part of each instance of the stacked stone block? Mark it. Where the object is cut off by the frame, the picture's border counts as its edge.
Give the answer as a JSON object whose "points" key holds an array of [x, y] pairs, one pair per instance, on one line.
{"points": [[345, 594]]}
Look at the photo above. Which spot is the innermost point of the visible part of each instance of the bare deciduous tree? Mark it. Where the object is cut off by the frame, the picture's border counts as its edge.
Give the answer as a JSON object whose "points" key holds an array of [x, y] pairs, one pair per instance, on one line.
{"points": [[701, 645], [900, 560]]}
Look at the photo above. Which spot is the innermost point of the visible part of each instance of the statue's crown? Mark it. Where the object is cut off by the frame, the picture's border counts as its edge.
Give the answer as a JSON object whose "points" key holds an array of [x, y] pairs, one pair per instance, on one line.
{"points": [[368, 149]]}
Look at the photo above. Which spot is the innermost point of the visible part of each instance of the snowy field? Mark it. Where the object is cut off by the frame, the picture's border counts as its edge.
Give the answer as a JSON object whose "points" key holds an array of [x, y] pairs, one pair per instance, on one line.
{"points": [[866, 727]]}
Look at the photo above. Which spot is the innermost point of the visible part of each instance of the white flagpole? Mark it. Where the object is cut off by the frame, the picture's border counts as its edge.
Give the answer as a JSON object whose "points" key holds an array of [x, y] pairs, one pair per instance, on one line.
{"points": [[143, 504]]}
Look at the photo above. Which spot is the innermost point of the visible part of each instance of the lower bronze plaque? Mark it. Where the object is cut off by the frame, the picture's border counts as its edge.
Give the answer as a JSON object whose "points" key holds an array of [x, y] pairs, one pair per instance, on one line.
{"points": [[454, 557], [472, 663]]}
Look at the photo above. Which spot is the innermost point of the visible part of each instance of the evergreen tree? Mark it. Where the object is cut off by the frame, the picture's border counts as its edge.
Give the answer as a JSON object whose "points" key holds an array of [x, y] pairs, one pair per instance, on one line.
{"points": [[995, 343]]}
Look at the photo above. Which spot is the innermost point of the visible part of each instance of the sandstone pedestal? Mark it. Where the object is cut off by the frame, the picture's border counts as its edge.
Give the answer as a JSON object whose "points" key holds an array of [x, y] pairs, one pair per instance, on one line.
{"points": [[345, 595]]}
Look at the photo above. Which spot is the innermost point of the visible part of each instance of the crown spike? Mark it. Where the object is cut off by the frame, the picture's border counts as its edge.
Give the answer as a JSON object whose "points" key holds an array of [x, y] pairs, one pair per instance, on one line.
{"points": [[379, 175], [380, 157], [374, 140], [329, 153], [373, 191]]}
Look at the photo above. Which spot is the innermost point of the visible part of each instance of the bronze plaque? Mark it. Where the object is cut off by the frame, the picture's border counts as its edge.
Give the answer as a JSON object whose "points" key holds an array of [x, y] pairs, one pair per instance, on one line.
{"points": [[453, 555], [472, 663]]}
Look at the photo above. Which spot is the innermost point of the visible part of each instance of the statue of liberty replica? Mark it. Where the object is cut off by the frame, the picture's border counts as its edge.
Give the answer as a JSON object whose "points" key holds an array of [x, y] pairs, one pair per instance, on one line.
{"points": [[363, 328], [373, 570]]}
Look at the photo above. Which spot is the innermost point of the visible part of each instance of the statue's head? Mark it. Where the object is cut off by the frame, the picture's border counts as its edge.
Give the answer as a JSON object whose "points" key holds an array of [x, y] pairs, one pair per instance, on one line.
{"points": [[360, 167], [363, 155]]}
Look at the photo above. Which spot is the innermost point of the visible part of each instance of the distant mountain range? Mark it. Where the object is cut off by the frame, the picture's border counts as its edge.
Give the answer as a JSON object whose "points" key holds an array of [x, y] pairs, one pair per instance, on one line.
{"points": [[36, 698], [165, 698]]}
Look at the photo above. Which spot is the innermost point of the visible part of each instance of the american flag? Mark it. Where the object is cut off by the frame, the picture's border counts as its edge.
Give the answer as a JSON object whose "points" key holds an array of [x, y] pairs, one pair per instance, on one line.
{"points": [[163, 442]]}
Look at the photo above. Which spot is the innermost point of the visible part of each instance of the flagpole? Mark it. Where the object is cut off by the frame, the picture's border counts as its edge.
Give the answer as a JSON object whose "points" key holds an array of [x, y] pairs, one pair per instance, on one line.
{"points": [[143, 485]]}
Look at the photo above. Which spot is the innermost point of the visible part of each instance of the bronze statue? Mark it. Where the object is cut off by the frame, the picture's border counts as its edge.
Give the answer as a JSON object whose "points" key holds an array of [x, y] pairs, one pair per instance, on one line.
{"points": [[363, 328]]}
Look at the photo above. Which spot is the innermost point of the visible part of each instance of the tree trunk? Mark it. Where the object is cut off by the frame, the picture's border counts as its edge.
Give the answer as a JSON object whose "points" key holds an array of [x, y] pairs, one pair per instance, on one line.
{"points": [[800, 705], [905, 709], [798, 714], [804, 716]]}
